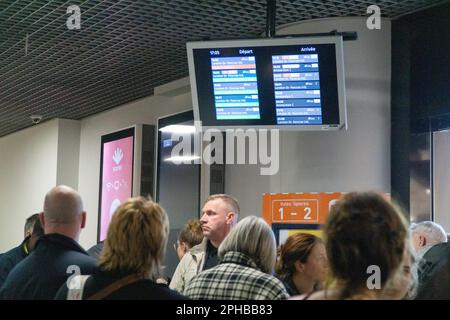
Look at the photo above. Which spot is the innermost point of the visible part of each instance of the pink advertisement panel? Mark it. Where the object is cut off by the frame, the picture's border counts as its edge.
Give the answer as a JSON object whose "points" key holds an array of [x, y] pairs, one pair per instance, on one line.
{"points": [[117, 179]]}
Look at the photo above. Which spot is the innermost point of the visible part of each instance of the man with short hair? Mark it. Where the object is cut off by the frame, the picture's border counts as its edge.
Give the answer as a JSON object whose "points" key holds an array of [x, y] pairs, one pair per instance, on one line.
{"points": [[32, 231], [41, 274], [219, 214], [426, 234], [433, 256]]}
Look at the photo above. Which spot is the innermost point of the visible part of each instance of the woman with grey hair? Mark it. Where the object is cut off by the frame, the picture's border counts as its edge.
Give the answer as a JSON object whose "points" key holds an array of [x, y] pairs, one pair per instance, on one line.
{"points": [[247, 259]]}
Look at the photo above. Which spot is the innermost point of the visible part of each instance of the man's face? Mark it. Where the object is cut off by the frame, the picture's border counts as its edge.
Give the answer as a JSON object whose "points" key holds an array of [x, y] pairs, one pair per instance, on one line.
{"points": [[216, 220]]}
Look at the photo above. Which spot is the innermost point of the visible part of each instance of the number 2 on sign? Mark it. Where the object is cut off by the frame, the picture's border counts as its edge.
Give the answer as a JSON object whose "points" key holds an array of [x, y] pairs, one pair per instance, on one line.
{"points": [[307, 215]]}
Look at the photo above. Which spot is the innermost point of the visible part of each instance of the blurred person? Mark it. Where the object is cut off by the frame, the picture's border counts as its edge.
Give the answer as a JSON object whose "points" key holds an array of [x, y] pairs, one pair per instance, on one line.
{"points": [[403, 285], [364, 232], [302, 264], [426, 234], [219, 215], [434, 273], [247, 259], [130, 261], [190, 236], [57, 252], [32, 231], [430, 242]]}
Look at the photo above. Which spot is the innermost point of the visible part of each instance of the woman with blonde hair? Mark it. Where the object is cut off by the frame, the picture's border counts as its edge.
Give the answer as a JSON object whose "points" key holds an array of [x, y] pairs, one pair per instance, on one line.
{"points": [[131, 258]]}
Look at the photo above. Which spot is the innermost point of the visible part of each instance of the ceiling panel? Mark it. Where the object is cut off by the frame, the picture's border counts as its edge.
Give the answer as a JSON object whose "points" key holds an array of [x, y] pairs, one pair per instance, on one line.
{"points": [[125, 48]]}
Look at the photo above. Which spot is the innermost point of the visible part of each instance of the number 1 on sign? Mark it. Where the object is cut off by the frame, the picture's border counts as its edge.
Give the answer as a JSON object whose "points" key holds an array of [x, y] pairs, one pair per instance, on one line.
{"points": [[281, 213]]}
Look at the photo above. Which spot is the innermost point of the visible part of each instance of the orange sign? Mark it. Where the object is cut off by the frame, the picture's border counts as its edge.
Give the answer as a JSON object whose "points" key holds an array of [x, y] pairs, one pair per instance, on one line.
{"points": [[298, 208], [289, 213]]}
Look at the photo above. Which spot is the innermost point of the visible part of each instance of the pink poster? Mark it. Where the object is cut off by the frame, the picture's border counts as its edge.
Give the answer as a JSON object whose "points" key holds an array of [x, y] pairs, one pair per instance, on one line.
{"points": [[117, 179]]}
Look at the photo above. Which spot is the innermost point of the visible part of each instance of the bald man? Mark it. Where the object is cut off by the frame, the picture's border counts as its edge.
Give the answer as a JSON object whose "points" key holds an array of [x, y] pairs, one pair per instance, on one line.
{"points": [[57, 254]]}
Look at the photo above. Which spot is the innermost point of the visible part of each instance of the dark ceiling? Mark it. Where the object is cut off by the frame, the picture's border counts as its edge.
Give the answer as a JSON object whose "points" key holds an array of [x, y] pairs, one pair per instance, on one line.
{"points": [[125, 48]]}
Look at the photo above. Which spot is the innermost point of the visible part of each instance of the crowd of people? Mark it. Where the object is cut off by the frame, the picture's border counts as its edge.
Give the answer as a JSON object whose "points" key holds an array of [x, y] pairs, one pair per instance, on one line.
{"points": [[367, 251]]}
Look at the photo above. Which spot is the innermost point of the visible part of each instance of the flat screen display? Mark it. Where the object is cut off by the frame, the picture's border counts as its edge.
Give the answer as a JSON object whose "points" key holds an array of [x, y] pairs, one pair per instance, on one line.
{"points": [[116, 180], [288, 83]]}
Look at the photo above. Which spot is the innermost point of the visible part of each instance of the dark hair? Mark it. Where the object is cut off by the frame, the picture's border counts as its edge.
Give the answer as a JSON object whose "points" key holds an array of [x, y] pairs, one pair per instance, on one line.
{"points": [[34, 224], [364, 229], [297, 247], [192, 233]]}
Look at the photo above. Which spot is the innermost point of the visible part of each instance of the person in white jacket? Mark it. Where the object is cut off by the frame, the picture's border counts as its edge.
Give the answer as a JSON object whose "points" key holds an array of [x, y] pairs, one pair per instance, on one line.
{"points": [[219, 214]]}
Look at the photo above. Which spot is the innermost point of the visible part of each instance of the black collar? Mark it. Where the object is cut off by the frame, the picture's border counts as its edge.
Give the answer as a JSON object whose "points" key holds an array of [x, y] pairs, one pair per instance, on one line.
{"points": [[61, 241], [210, 248]]}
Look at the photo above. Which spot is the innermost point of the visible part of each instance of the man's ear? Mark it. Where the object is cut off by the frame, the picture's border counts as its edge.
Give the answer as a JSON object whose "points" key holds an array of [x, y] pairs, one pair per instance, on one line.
{"points": [[230, 217], [422, 241], [83, 219]]}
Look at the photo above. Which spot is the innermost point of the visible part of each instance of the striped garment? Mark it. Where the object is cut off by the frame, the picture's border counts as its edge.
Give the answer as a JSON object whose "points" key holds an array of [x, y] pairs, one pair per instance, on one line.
{"points": [[237, 277]]}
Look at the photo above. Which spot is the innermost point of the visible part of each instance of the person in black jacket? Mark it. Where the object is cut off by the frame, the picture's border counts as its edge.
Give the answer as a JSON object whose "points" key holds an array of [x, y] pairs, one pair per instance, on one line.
{"points": [[434, 273], [57, 253], [96, 250], [32, 231], [130, 261]]}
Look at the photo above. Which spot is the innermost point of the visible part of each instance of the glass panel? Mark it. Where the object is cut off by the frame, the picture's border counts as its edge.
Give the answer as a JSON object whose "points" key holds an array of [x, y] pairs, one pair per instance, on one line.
{"points": [[420, 191], [441, 177], [178, 185]]}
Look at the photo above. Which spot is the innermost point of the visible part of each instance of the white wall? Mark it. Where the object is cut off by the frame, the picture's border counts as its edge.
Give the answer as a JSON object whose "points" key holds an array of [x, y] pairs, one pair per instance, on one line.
{"points": [[68, 152], [356, 159], [34, 160], [27, 172], [144, 111], [65, 152]]}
